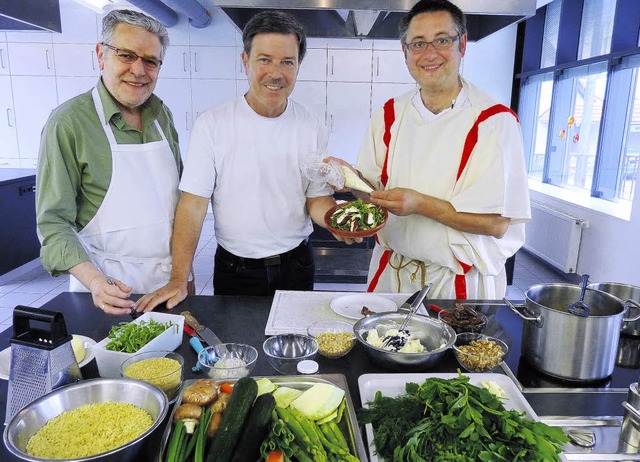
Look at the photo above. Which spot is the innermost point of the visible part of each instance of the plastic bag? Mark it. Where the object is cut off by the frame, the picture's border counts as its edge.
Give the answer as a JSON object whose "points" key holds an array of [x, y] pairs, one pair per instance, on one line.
{"points": [[315, 169]]}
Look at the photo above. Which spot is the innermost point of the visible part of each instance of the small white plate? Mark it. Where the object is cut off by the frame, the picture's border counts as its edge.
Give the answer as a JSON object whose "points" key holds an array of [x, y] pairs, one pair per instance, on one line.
{"points": [[350, 306], [5, 356]]}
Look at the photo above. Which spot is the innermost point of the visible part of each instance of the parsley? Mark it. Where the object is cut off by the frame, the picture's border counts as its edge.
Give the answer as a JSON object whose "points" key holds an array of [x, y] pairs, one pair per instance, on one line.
{"points": [[460, 422], [129, 337]]}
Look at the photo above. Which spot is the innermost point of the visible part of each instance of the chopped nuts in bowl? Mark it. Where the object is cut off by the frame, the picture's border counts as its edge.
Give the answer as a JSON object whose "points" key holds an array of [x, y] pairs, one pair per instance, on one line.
{"points": [[335, 338], [478, 352]]}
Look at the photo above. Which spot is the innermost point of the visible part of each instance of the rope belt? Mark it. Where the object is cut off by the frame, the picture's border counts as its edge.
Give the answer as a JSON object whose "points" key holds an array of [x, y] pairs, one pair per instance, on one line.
{"points": [[421, 267]]}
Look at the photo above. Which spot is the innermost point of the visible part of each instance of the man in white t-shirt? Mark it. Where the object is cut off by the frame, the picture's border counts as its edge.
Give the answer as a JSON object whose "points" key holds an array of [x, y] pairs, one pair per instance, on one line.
{"points": [[245, 155], [448, 164]]}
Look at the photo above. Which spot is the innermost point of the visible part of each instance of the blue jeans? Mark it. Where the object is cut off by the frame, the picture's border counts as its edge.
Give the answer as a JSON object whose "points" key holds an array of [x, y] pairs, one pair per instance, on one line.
{"points": [[292, 270]]}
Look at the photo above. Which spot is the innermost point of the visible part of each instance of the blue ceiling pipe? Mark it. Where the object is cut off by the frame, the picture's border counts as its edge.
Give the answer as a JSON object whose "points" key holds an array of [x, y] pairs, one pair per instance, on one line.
{"points": [[199, 17], [158, 10]]}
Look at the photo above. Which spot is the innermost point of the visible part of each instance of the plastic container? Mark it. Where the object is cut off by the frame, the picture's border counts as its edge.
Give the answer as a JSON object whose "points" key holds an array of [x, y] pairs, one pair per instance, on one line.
{"points": [[110, 362], [168, 379], [335, 338]]}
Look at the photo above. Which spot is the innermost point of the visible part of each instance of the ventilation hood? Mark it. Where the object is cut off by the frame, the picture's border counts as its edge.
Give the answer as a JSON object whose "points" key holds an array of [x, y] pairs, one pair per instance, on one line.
{"points": [[377, 19], [30, 15]]}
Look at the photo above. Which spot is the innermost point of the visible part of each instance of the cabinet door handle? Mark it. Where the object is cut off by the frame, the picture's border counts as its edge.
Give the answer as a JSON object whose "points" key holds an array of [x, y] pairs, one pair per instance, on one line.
{"points": [[330, 123], [2, 64], [331, 65], [9, 111], [377, 66], [46, 54], [184, 61], [93, 61], [195, 61], [186, 120]]}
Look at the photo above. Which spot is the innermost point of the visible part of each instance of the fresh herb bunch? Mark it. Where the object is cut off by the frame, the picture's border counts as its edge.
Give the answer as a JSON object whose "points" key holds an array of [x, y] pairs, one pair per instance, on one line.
{"points": [[129, 337], [460, 422], [357, 216]]}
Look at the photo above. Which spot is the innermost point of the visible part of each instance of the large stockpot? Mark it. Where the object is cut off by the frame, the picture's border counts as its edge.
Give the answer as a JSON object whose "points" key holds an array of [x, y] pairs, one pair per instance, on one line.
{"points": [[630, 296], [564, 345]]}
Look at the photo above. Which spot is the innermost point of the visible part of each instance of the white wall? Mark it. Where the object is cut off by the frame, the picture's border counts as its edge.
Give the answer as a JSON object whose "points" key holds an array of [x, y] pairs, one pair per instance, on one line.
{"points": [[610, 247]]}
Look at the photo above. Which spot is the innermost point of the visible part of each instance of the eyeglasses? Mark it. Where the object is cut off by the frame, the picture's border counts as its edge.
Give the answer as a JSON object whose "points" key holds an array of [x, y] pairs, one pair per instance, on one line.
{"points": [[129, 57], [441, 43]]}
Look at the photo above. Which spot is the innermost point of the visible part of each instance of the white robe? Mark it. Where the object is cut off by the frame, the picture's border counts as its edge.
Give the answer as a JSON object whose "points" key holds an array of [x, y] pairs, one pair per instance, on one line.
{"points": [[424, 154]]}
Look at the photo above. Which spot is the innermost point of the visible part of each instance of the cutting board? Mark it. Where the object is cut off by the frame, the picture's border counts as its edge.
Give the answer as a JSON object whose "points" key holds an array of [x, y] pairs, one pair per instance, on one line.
{"points": [[292, 312]]}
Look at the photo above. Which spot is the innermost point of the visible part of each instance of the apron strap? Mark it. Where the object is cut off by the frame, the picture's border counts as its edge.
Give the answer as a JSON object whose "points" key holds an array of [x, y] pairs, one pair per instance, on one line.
{"points": [[389, 118]]}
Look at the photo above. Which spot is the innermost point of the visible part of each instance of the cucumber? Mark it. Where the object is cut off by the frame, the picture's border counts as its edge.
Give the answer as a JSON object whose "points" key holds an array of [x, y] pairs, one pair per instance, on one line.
{"points": [[225, 440], [256, 429]]}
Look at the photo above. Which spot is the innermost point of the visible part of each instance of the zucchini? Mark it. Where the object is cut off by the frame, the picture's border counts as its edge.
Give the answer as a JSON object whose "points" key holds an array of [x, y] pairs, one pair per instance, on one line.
{"points": [[225, 440], [256, 429]]}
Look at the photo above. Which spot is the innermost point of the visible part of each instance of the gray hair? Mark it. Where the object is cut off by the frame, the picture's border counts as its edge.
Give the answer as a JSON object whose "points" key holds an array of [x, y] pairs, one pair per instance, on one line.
{"points": [[135, 19], [433, 6], [277, 22]]}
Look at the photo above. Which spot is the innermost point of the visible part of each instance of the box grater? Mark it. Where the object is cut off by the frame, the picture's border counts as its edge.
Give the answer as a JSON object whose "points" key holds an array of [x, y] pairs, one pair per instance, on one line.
{"points": [[42, 358]]}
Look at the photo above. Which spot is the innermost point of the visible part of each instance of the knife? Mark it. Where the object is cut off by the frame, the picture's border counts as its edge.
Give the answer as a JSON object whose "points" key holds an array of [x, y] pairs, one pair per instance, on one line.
{"points": [[203, 332]]}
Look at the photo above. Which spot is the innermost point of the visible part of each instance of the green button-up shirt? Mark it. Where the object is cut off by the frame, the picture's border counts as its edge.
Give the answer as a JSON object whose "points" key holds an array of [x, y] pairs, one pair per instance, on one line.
{"points": [[74, 169]]}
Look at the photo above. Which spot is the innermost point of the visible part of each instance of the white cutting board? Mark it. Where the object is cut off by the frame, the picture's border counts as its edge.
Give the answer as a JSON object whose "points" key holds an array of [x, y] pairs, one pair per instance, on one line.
{"points": [[292, 312], [393, 385]]}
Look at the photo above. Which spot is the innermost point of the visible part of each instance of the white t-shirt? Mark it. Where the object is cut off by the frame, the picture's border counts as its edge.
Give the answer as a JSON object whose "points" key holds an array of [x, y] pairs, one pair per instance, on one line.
{"points": [[250, 167]]}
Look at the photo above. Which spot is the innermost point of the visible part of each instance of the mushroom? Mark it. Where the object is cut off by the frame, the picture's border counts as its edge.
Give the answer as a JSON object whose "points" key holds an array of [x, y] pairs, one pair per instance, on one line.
{"points": [[220, 404], [189, 413], [201, 392], [214, 424]]}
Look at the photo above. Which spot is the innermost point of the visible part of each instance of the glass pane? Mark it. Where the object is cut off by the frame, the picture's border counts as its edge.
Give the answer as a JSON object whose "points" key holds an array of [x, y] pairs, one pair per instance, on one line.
{"points": [[596, 28], [550, 36], [534, 110], [631, 148], [577, 117]]}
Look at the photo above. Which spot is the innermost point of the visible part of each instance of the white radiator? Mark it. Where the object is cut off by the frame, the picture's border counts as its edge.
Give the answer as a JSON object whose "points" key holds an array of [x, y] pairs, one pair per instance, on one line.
{"points": [[554, 236]]}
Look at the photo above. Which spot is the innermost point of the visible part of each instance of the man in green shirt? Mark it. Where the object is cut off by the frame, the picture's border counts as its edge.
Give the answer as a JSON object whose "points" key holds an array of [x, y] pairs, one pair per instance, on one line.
{"points": [[108, 171]]}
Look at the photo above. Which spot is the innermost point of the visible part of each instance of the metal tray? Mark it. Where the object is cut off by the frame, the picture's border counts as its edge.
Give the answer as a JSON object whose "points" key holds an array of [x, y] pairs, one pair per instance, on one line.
{"points": [[348, 425]]}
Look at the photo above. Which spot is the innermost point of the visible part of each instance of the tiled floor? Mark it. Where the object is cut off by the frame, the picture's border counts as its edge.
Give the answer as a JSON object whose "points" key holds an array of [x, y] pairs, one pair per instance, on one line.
{"points": [[36, 287]]}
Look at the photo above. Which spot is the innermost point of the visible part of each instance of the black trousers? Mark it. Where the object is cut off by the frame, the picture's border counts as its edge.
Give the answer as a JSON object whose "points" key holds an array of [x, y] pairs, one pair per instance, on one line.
{"points": [[292, 270]]}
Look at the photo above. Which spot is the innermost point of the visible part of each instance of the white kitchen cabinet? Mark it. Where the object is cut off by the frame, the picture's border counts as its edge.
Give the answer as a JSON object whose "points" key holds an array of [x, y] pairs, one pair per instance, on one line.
{"points": [[213, 62], [314, 65], [390, 66], [76, 60], [348, 114], [313, 95], [8, 132], [349, 65], [176, 94], [69, 87], [206, 93], [4, 59], [79, 24], [34, 98], [381, 92], [31, 58], [176, 63], [29, 37], [179, 34]]}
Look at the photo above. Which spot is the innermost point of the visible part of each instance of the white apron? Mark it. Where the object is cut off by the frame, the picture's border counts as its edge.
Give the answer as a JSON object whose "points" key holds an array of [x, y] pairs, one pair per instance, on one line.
{"points": [[129, 237]]}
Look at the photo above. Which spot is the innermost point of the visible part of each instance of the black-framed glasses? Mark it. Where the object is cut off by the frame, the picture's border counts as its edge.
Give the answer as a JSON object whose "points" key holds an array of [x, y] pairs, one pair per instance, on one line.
{"points": [[129, 57], [441, 43]]}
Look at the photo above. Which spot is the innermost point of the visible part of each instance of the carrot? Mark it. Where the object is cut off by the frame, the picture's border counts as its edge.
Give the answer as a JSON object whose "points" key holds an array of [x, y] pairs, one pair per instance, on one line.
{"points": [[226, 388], [275, 456]]}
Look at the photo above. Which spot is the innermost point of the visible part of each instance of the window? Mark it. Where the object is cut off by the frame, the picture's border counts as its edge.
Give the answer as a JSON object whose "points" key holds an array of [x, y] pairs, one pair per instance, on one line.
{"points": [[573, 141], [581, 119], [550, 37], [596, 28], [536, 94]]}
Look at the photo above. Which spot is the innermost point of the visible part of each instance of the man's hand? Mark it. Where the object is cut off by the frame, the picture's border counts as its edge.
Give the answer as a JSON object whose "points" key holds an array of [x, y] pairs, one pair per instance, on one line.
{"points": [[347, 240], [172, 293], [111, 295], [399, 201]]}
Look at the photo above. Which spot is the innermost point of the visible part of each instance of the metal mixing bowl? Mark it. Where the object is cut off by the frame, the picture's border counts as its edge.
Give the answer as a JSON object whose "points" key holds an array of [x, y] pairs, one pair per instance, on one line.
{"points": [[285, 351], [433, 334], [35, 415]]}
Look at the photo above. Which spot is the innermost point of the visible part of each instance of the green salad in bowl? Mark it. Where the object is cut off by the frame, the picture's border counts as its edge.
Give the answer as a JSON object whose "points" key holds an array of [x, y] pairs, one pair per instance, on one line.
{"points": [[356, 219]]}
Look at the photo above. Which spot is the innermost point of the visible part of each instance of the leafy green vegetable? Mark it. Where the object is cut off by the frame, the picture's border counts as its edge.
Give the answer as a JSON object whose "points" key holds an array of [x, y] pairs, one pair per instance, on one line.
{"points": [[460, 422], [285, 396], [319, 401], [129, 337], [357, 213]]}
